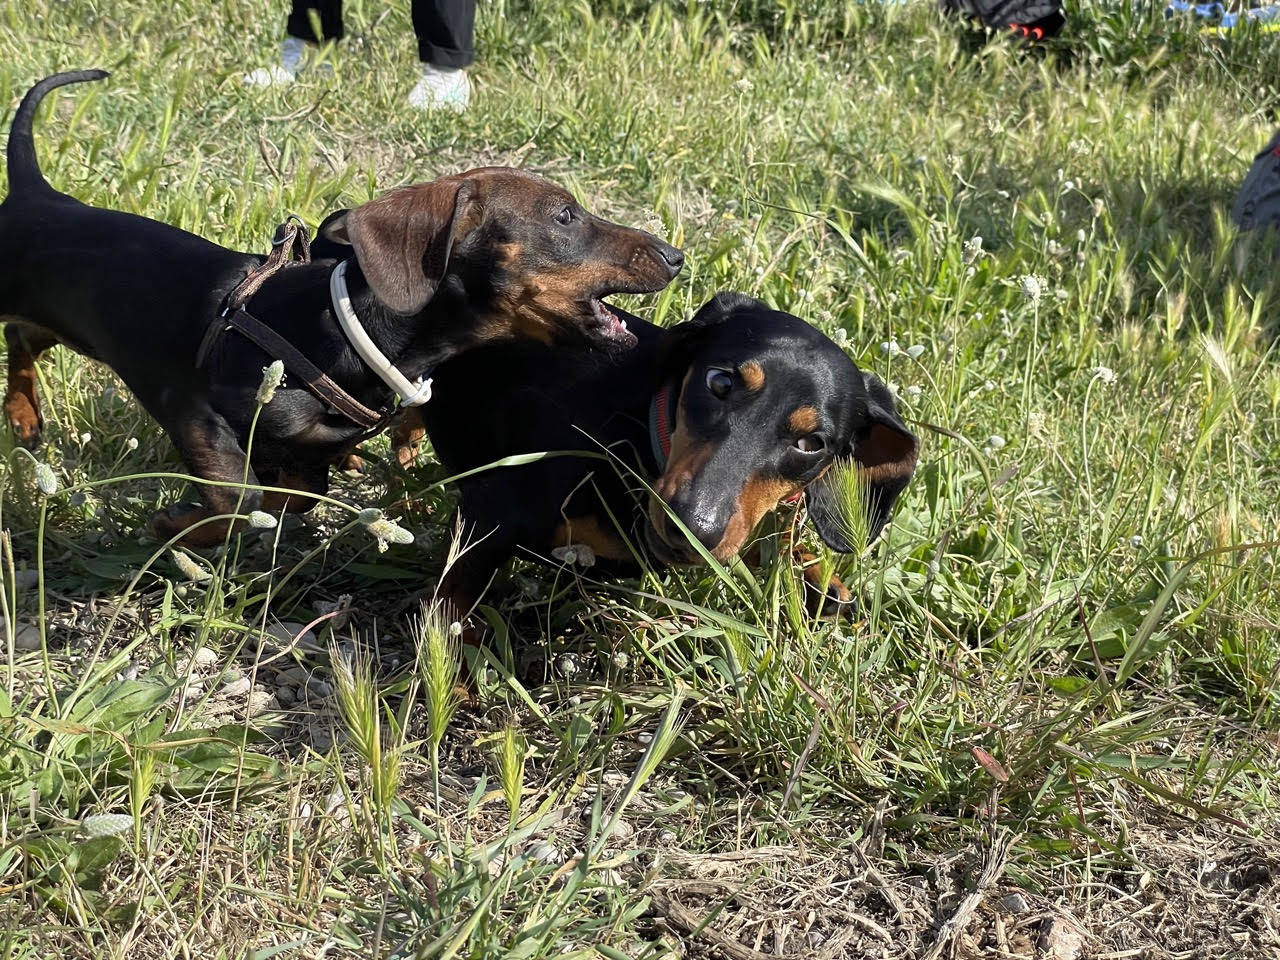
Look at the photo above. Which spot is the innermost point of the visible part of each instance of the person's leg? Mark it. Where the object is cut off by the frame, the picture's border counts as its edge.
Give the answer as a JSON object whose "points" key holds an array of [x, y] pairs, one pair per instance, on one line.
{"points": [[299, 32], [299, 22], [446, 32]]}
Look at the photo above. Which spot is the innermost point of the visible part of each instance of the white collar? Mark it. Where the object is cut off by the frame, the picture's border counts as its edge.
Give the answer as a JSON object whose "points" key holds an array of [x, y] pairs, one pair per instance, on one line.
{"points": [[410, 394]]}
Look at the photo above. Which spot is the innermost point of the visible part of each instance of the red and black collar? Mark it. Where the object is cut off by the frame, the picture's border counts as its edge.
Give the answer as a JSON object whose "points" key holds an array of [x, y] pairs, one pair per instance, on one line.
{"points": [[662, 419], [662, 422]]}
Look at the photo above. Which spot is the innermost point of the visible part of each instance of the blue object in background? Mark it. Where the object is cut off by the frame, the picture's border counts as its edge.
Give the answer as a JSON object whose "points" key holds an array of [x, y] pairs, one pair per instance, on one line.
{"points": [[1219, 15]]}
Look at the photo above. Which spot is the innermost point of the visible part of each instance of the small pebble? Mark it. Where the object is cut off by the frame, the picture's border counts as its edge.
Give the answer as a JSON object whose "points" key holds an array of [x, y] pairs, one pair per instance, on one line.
{"points": [[237, 688], [286, 697], [319, 688], [1014, 903], [26, 637], [204, 659], [260, 701], [546, 853], [296, 676]]}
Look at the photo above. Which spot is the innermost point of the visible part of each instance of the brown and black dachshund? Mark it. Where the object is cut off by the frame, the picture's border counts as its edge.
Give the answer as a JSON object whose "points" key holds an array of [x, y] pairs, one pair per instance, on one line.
{"points": [[715, 421], [432, 270]]}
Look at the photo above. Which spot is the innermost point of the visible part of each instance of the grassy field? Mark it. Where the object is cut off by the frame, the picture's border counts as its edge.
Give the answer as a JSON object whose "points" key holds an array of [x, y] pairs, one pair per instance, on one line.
{"points": [[1054, 727]]}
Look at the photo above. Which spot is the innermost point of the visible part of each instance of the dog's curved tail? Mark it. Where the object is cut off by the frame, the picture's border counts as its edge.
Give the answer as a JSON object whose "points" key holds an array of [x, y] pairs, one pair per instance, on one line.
{"points": [[23, 166]]}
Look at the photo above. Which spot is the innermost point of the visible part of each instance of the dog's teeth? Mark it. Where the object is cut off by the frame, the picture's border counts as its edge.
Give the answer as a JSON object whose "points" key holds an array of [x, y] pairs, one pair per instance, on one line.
{"points": [[624, 324]]}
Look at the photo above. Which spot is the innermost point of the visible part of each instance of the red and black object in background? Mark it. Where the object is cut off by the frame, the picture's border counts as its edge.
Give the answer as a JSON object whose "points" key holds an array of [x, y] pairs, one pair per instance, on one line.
{"points": [[1032, 19]]}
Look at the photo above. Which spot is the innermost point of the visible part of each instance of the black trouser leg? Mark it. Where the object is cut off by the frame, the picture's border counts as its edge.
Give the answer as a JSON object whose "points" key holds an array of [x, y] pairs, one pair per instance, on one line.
{"points": [[299, 23], [446, 31]]}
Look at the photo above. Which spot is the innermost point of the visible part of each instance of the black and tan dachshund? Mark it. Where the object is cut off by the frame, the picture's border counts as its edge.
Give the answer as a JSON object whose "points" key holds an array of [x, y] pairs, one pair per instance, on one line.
{"points": [[430, 271], [723, 417]]}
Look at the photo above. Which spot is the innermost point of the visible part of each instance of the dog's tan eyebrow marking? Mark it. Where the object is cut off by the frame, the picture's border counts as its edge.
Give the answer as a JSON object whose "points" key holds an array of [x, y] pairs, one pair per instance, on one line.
{"points": [[752, 375], [803, 420]]}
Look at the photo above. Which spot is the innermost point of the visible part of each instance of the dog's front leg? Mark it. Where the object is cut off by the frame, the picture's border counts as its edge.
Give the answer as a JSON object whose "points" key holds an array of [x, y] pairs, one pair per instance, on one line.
{"points": [[211, 450]]}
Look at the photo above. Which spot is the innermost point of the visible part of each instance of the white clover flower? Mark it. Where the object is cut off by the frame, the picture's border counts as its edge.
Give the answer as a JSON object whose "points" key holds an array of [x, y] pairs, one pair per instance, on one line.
{"points": [[189, 568], [262, 520], [46, 479], [1032, 287], [131, 443], [621, 660], [892, 387], [743, 84], [1105, 374], [455, 629], [1136, 541], [914, 391], [890, 347], [85, 437], [840, 337], [105, 825], [1081, 236], [1099, 207], [989, 385], [972, 249], [995, 441], [1056, 249], [369, 515], [272, 378], [915, 351], [387, 532], [575, 554], [1060, 295], [568, 665], [1068, 186]]}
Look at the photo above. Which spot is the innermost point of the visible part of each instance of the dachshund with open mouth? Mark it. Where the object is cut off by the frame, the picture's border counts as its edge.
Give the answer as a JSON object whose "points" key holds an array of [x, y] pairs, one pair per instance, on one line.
{"points": [[715, 421], [411, 279]]}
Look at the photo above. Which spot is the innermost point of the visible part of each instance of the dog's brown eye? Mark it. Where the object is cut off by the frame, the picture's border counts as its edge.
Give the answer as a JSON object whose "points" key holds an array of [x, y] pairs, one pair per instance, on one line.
{"points": [[810, 444], [565, 216], [719, 382]]}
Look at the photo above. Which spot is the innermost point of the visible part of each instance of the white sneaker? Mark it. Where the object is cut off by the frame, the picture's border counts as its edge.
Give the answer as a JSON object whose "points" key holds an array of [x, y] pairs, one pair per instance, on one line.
{"points": [[292, 50], [441, 88]]}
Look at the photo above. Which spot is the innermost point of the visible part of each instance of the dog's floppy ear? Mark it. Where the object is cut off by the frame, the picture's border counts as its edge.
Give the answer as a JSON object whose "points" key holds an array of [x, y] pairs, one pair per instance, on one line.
{"points": [[403, 240], [679, 342], [885, 452]]}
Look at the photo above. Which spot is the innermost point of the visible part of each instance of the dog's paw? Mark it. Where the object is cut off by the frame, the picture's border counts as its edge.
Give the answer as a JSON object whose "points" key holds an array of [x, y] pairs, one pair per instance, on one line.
{"points": [[830, 600], [351, 463], [169, 522], [179, 520], [407, 455], [25, 420], [834, 603]]}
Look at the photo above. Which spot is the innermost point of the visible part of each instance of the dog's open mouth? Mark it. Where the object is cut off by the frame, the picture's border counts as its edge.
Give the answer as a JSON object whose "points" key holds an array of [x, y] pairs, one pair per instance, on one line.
{"points": [[608, 326]]}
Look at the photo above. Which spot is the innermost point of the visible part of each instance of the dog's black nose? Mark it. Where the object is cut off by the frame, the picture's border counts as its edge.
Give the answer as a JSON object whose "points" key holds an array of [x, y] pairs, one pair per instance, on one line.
{"points": [[673, 258], [707, 530]]}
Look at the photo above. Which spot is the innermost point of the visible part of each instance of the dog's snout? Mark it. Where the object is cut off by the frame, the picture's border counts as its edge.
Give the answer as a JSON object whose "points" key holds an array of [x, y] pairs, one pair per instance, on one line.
{"points": [[705, 526], [672, 257]]}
